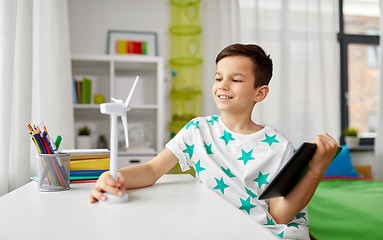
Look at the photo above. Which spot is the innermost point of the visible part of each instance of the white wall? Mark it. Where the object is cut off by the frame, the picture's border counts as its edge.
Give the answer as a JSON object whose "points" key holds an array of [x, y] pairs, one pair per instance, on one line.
{"points": [[90, 20]]}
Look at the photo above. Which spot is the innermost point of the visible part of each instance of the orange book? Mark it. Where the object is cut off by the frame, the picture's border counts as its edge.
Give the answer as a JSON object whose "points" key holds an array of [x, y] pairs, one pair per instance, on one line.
{"points": [[130, 47]]}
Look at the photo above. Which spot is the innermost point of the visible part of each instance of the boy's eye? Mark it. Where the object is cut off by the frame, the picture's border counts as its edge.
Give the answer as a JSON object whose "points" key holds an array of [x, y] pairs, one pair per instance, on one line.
{"points": [[235, 80], [218, 79]]}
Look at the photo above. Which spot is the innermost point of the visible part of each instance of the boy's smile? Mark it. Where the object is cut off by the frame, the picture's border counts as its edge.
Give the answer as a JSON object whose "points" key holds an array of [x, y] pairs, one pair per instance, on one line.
{"points": [[224, 97], [233, 89]]}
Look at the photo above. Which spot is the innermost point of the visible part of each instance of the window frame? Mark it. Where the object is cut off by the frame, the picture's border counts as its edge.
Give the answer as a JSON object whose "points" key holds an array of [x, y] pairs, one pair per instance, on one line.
{"points": [[344, 40]]}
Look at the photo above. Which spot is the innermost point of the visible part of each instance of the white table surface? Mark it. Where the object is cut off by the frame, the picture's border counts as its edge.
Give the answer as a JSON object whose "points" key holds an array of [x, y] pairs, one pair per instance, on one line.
{"points": [[176, 207]]}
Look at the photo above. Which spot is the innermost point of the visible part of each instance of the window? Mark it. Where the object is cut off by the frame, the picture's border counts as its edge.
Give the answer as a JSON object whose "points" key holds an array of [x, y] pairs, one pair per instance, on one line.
{"points": [[359, 66]]}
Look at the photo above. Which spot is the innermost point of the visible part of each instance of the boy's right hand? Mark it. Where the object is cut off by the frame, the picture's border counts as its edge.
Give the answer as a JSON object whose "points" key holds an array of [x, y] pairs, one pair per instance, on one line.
{"points": [[106, 183]]}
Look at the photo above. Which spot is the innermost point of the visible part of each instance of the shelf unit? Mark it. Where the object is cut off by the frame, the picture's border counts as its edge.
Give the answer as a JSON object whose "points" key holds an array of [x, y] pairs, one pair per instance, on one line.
{"points": [[113, 76]]}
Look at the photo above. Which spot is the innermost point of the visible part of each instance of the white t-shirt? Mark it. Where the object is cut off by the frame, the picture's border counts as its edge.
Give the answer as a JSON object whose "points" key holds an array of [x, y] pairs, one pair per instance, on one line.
{"points": [[238, 167]]}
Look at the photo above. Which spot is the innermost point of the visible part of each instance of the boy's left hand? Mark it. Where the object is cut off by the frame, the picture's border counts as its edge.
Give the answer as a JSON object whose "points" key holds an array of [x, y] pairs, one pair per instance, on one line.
{"points": [[326, 150]]}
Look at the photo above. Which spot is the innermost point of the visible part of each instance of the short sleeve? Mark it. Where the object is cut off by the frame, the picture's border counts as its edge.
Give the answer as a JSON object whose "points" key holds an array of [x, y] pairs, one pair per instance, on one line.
{"points": [[180, 146], [286, 154]]}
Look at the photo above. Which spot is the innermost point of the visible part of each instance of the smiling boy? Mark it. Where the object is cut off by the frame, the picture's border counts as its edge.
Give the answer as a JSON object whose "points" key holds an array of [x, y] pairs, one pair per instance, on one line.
{"points": [[232, 155]]}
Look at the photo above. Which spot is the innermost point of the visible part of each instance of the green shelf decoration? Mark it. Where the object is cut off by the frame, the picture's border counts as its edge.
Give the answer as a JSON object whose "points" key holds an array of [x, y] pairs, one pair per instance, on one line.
{"points": [[186, 66]]}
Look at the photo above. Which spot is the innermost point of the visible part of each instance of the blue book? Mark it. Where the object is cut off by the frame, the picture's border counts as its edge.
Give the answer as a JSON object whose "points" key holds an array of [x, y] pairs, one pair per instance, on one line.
{"points": [[74, 93], [88, 173]]}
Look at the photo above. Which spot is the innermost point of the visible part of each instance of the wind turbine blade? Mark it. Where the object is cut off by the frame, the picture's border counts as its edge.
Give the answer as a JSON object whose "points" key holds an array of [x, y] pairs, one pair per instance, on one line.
{"points": [[116, 100], [125, 125], [131, 91]]}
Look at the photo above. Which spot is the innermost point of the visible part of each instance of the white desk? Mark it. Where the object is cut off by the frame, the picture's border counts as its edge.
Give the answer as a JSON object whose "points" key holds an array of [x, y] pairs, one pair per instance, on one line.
{"points": [[176, 207]]}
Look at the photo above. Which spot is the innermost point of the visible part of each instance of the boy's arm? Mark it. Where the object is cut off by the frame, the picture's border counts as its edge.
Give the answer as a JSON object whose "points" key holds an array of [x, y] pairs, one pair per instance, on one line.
{"points": [[284, 209], [135, 176]]}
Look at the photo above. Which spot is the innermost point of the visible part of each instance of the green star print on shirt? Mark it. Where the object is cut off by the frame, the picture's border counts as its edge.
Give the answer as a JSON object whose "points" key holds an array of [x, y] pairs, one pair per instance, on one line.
{"points": [[246, 156], [301, 215], [293, 225], [228, 172], [270, 140], [208, 148], [198, 167], [250, 193], [196, 125], [189, 124], [227, 137], [269, 221], [213, 119], [246, 205], [281, 234], [189, 149], [261, 179], [220, 185]]}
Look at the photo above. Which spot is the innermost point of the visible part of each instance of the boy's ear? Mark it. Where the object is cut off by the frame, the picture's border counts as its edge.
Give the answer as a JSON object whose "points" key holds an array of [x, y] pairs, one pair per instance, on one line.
{"points": [[261, 93]]}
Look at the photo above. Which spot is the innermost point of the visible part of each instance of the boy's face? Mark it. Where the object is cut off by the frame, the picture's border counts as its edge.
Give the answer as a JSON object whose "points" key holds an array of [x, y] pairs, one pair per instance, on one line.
{"points": [[233, 89]]}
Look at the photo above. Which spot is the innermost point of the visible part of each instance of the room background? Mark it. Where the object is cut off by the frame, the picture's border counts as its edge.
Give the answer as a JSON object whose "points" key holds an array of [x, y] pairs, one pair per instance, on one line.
{"points": [[305, 92], [89, 22]]}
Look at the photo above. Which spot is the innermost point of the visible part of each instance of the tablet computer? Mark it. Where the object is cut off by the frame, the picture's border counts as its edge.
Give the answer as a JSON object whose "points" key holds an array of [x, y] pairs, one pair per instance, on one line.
{"points": [[292, 172]]}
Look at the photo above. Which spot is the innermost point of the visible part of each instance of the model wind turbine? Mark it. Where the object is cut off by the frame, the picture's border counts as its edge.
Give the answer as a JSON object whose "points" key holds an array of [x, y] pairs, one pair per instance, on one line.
{"points": [[116, 109]]}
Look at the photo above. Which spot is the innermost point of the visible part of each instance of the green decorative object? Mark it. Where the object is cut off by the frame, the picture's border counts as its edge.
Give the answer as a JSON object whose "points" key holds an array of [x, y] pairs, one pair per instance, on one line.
{"points": [[185, 16], [187, 77], [186, 102], [186, 65], [98, 98]]}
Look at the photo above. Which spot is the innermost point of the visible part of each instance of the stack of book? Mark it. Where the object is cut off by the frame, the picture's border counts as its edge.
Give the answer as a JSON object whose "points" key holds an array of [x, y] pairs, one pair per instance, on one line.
{"points": [[131, 47], [82, 91], [86, 165]]}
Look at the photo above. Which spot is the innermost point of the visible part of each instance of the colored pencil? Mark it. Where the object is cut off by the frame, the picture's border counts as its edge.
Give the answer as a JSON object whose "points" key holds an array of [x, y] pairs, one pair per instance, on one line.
{"points": [[53, 167], [45, 129]]}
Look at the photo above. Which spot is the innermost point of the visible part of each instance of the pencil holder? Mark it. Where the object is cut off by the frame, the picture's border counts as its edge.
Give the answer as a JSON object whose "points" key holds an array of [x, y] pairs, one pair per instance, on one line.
{"points": [[54, 172]]}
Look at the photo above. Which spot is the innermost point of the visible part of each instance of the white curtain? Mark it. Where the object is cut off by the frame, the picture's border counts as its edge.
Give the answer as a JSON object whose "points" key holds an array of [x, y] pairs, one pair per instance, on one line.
{"points": [[35, 83], [377, 166], [220, 23], [300, 36]]}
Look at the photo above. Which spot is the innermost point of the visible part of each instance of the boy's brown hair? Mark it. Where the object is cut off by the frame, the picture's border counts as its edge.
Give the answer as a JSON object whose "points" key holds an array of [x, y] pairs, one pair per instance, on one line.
{"points": [[263, 65]]}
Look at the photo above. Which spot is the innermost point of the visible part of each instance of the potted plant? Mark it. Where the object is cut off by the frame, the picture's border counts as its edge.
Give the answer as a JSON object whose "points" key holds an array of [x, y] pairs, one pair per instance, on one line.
{"points": [[84, 140], [351, 137], [101, 142]]}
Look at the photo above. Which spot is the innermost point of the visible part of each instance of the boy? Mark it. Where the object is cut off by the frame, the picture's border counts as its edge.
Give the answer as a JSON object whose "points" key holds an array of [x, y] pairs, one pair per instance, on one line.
{"points": [[231, 154]]}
